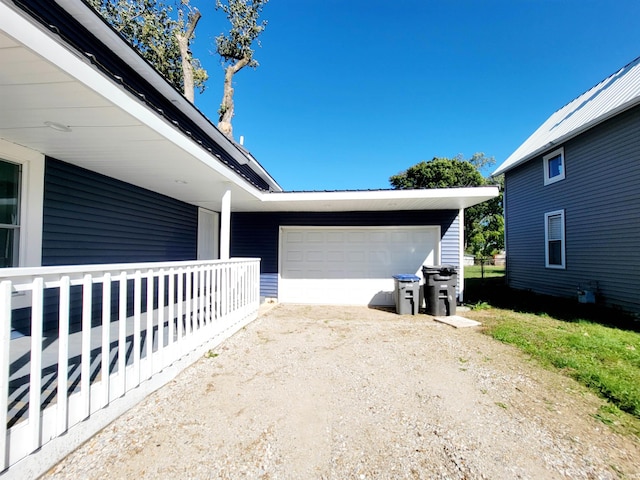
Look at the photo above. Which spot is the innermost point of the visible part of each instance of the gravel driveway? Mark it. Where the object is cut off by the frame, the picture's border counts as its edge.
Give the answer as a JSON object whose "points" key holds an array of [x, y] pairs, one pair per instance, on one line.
{"points": [[310, 392]]}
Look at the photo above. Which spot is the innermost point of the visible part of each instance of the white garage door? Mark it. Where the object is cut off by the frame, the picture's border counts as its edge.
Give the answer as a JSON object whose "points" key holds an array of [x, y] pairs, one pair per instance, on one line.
{"points": [[351, 265]]}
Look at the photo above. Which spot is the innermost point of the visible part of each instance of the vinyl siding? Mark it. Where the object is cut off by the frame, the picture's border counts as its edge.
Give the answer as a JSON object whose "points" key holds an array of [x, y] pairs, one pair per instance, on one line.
{"points": [[90, 218], [601, 199], [257, 234], [93, 219]]}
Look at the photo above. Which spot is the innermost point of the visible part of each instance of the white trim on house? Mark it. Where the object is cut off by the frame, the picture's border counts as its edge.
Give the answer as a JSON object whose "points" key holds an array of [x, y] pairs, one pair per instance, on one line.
{"points": [[548, 178], [31, 201], [461, 256], [557, 236], [225, 226], [376, 200], [114, 133], [208, 234]]}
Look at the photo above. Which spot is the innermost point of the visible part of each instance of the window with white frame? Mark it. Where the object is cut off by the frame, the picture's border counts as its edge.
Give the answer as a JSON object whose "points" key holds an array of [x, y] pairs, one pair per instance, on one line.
{"points": [[554, 239], [21, 205], [553, 166], [10, 182]]}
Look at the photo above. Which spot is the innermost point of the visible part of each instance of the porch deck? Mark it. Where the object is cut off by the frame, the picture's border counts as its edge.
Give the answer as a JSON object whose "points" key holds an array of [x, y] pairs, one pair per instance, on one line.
{"points": [[122, 332]]}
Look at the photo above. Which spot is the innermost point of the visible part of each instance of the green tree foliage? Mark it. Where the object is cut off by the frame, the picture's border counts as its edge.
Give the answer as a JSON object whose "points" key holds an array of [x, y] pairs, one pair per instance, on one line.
{"points": [[439, 173], [483, 223], [236, 49], [153, 27]]}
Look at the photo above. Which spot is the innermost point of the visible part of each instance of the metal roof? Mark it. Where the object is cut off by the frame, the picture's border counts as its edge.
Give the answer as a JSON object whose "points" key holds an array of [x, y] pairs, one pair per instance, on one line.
{"points": [[615, 94]]}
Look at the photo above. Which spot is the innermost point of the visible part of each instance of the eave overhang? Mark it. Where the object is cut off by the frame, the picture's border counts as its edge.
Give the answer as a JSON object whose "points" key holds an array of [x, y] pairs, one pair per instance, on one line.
{"points": [[614, 95], [110, 130], [376, 200]]}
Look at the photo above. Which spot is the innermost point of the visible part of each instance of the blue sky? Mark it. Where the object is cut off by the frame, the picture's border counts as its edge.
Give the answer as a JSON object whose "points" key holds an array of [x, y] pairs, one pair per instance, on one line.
{"points": [[350, 92]]}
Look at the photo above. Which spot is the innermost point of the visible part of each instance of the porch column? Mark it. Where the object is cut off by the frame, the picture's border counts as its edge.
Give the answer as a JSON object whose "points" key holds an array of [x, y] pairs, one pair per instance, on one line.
{"points": [[225, 225], [461, 246]]}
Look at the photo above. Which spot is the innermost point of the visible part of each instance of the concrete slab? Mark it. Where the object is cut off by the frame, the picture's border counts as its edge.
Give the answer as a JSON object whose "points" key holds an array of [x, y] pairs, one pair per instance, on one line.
{"points": [[457, 321]]}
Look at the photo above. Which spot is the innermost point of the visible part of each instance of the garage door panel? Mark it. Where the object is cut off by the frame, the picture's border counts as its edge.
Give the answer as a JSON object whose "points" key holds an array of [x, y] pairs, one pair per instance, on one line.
{"points": [[351, 265], [295, 237], [356, 237], [378, 237], [335, 256], [335, 237]]}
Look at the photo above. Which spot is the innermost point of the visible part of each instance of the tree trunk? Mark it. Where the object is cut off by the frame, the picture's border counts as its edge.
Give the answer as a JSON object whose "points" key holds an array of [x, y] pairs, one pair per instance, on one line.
{"points": [[227, 107], [187, 67]]}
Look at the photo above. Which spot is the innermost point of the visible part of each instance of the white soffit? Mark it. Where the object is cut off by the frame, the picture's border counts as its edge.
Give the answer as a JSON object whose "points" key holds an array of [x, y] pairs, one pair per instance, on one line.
{"points": [[615, 94], [377, 200], [109, 131]]}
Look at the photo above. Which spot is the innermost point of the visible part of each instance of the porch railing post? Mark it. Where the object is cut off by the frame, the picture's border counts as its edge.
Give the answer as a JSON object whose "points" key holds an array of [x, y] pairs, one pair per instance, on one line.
{"points": [[5, 338], [63, 355], [35, 374], [106, 336]]}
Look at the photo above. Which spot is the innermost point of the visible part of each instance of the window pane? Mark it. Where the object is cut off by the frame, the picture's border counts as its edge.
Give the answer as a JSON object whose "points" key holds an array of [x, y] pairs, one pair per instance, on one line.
{"points": [[8, 252], [555, 252], [555, 166], [9, 191], [555, 227]]}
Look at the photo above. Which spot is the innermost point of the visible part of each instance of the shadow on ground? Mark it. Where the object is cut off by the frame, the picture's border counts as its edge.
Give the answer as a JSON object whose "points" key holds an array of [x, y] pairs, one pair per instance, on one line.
{"points": [[494, 291]]}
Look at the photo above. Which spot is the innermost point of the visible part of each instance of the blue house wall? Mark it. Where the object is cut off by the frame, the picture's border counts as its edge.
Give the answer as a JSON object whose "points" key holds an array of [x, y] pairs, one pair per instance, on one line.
{"points": [[257, 234], [600, 197], [90, 218]]}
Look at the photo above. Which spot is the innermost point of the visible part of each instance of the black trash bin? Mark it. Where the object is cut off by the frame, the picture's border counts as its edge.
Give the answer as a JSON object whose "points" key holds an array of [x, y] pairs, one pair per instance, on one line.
{"points": [[407, 294], [440, 289]]}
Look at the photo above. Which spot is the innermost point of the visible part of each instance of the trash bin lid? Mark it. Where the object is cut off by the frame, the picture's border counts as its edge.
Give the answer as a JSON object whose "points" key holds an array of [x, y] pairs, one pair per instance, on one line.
{"points": [[406, 277], [439, 269]]}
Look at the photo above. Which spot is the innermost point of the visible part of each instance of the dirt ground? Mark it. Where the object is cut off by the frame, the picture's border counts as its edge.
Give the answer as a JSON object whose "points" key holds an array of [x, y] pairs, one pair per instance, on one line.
{"points": [[309, 392]]}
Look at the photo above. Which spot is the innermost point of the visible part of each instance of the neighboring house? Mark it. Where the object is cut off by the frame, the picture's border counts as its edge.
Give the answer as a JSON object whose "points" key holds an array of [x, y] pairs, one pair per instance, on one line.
{"points": [[572, 198], [107, 163]]}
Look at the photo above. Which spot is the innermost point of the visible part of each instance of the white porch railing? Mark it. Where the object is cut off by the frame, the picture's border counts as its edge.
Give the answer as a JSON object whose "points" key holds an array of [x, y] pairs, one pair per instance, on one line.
{"points": [[96, 334]]}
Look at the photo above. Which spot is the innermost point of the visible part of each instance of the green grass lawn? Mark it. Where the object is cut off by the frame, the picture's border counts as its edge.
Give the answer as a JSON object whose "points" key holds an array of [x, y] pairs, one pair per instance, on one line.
{"points": [[598, 347]]}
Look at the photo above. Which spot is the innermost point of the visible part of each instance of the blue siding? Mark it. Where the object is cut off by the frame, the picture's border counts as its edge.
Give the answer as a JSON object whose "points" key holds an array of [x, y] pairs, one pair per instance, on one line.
{"points": [[450, 243], [90, 218], [257, 234], [601, 199], [269, 285]]}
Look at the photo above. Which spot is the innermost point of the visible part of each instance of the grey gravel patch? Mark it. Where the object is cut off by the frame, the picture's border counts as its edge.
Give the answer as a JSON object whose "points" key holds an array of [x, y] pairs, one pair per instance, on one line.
{"points": [[322, 392]]}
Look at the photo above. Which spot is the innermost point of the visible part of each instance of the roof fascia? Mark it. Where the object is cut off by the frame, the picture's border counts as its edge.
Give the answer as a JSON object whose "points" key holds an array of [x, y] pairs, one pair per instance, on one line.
{"points": [[18, 25], [98, 26], [470, 193], [563, 139]]}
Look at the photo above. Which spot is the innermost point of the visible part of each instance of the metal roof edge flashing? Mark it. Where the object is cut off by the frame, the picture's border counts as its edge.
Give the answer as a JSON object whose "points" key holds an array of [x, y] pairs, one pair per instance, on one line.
{"points": [[86, 16], [634, 102], [610, 97]]}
